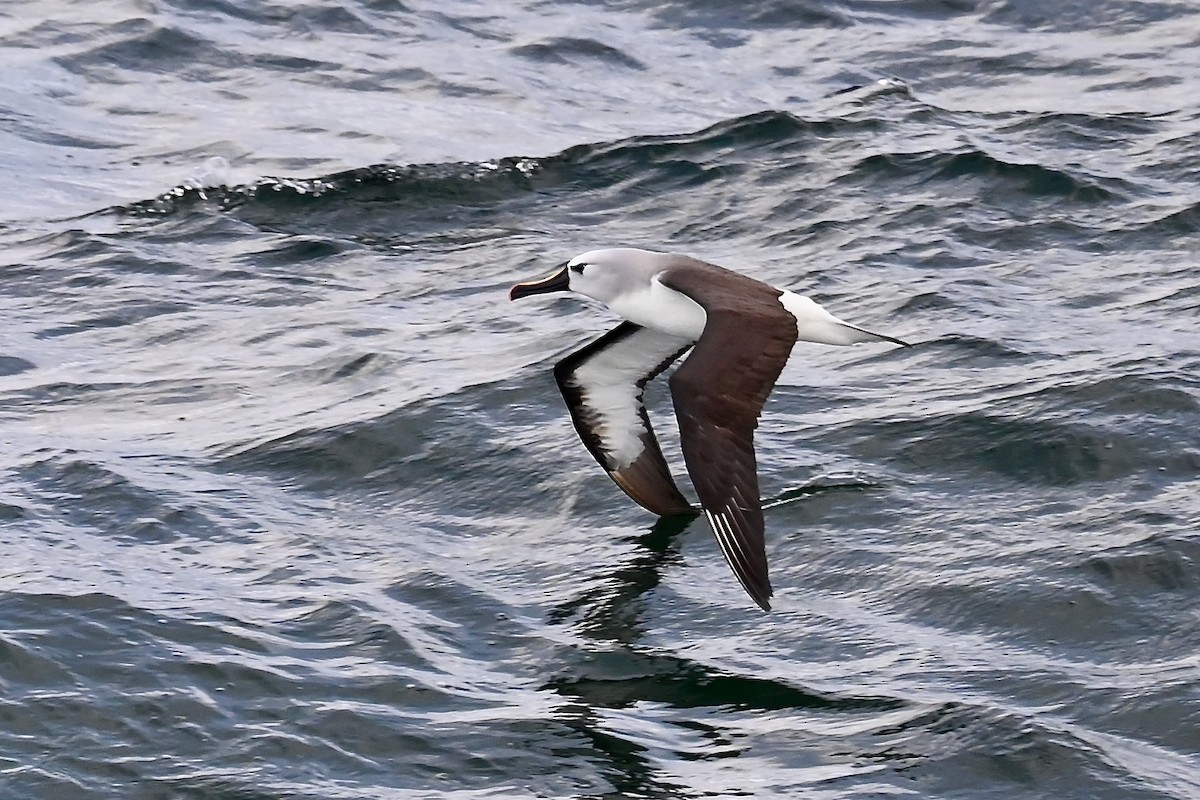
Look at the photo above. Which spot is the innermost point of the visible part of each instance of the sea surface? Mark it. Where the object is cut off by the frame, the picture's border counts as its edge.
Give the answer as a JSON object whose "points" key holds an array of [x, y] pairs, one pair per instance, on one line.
{"points": [[291, 507]]}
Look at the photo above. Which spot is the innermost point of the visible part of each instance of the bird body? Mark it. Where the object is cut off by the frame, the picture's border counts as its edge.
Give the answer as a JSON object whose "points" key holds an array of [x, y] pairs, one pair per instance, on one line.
{"points": [[742, 331], [662, 309]]}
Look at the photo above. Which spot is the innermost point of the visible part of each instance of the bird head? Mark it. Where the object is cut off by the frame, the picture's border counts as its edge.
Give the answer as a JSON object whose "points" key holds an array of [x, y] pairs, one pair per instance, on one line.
{"points": [[599, 274]]}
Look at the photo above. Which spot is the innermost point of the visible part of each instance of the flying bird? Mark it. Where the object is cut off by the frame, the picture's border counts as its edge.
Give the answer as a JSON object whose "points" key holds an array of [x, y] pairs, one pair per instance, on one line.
{"points": [[742, 331]]}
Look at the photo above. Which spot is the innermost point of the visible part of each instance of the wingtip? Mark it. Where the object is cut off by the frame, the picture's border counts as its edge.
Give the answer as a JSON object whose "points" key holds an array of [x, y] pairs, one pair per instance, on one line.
{"points": [[689, 513], [751, 572], [653, 490]]}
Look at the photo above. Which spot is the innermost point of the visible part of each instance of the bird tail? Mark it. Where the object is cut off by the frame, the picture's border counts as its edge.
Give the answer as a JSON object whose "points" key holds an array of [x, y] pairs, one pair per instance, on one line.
{"points": [[815, 324]]}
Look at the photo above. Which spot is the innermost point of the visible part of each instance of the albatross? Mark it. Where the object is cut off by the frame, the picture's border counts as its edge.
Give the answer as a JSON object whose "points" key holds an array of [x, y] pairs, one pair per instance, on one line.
{"points": [[740, 331]]}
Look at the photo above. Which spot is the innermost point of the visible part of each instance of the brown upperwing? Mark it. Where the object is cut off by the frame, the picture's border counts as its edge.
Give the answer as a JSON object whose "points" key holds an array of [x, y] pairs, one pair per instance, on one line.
{"points": [[719, 392]]}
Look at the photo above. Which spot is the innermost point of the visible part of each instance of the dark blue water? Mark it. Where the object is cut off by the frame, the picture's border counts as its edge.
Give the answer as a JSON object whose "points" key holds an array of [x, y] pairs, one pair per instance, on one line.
{"points": [[291, 507]]}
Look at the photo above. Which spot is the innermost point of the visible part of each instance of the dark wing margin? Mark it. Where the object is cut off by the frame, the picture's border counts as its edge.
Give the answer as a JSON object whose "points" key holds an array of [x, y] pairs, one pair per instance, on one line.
{"points": [[719, 392], [603, 383]]}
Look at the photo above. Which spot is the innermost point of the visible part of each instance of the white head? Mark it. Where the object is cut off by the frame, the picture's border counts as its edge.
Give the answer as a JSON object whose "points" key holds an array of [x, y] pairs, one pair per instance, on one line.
{"points": [[602, 275]]}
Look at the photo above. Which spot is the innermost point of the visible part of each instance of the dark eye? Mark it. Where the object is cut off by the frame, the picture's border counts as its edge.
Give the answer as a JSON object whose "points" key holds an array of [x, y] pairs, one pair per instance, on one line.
{"points": [[577, 268]]}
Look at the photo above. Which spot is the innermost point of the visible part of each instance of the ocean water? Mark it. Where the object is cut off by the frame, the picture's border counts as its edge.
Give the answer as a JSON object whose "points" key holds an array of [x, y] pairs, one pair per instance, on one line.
{"points": [[291, 507]]}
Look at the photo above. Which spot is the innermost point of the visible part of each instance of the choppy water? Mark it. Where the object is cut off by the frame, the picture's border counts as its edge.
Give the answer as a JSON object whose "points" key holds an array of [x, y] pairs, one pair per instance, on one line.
{"points": [[290, 505]]}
